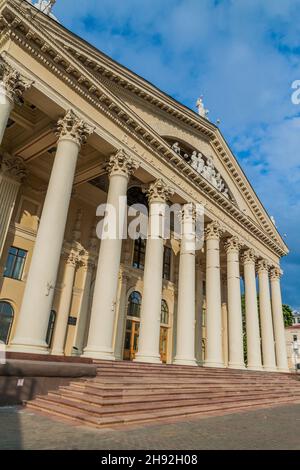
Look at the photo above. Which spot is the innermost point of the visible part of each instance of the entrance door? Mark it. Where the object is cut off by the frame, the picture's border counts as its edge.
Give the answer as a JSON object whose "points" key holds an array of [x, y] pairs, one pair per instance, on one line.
{"points": [[163, 344], [131, 339]]}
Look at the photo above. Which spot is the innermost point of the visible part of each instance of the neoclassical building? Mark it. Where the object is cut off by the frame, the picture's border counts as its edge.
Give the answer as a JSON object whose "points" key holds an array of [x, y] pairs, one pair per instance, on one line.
{"points": [[78, 130]]}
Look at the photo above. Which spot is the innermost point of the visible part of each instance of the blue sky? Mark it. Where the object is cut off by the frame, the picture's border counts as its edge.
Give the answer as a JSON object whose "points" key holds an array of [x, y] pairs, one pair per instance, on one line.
{"points": [[243, 56]]}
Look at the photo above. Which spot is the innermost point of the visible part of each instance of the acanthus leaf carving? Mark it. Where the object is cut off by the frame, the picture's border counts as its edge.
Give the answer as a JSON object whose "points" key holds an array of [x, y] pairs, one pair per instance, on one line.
{"points": [[12, 83], [122, 163], [159, 191], [73, 128]]}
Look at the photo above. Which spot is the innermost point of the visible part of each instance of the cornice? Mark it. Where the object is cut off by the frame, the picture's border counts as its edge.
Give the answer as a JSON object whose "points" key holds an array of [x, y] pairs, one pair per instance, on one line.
{"points": [[74, 73]]}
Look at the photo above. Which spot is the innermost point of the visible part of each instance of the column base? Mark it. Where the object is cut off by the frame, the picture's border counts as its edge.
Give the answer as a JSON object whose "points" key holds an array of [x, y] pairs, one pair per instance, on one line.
{"points": [[254, 367], [214, 364], [270, 369], [57, 353], [236, 366], [283, 370], [148, 359], [184, 362], [99, 354], [28, 348]]}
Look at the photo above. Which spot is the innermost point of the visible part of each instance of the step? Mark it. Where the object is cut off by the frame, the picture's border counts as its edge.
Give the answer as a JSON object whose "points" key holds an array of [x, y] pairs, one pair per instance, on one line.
{"points": [[82, 397], [94, 408], [142, 417]]}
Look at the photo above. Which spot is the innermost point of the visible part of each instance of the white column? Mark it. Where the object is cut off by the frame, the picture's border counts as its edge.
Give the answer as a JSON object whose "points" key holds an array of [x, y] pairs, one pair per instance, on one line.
{"points": [[186, 310], [63, 311], [199, 312], [278, 321], [214, 347], [12, 173], [235, 320], [12, 87], [38, 296], [100, 340], [266, 323], [225, 339], [82, 320], [148, 350], [251, 307], [121, 320]]}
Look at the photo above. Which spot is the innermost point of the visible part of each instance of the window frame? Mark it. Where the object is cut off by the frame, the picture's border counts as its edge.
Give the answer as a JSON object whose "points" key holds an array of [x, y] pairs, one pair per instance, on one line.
{"points": [[16, 256], [141, 253], [6, 302]]}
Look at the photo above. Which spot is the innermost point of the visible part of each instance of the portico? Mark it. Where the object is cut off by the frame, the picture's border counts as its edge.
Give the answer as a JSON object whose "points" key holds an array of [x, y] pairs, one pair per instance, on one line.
{"points": [[77, 140]]}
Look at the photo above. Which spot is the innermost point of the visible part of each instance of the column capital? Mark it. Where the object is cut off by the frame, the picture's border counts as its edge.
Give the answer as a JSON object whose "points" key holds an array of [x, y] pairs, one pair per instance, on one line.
{"points": [[248, 256], [263, 266], [12, 83], [121, 164], [159, 191], [71, 127], [13, 167], [275, 273], [213, 231], [233, 244]]}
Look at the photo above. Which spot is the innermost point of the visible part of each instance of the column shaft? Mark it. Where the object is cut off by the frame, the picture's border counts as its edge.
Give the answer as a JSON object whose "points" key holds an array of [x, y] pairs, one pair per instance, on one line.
{"points": [[251, 307], [235, 320], [278, 321], [103, 314], [37, 301], [6, 107], [214, 349], [199, 313], [185, 344], [63, 310], [148, 350], [266, 322], [82, 320]]}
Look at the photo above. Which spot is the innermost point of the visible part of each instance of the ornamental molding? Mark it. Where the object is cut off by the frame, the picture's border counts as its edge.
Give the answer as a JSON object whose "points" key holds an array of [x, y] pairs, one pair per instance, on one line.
{"points": [[13, 167], [233, 244], [213, 231], [249, 257], [12, 83], [159, 191], [71, 127], [16, 24], [121, 163], [275, 273], [263, 266]]}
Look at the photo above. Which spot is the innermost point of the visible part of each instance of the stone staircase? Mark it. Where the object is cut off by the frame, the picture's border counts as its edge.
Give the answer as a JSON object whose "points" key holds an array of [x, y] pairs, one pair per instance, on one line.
{"points": [[132, 393]]}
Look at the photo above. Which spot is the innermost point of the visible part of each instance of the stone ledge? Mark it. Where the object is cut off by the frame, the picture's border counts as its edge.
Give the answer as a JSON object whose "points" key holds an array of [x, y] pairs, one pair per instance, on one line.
{"points": [[24, 368]]}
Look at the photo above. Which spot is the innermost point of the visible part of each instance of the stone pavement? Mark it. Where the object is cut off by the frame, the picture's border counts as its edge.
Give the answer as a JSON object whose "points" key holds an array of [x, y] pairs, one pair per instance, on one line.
{"points": [[272, 428]]}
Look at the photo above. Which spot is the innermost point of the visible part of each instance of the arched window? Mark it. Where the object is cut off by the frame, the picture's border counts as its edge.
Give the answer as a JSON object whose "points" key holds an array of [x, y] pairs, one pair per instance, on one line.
{"points": [[6, 321], [134, 304], [164, 315], [50, 328]]}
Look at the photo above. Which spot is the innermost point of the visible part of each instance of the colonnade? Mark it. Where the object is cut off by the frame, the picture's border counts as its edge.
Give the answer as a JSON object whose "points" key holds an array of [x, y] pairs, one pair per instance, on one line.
{"points": [[265, 329]]}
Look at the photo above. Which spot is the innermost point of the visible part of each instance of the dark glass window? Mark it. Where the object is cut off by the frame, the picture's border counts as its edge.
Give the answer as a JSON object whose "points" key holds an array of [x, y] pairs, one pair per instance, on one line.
{"points": [[6, 321], [15, 263], [164, 315], [134, 305], [139, 253], [50, 329], [167, 263]]}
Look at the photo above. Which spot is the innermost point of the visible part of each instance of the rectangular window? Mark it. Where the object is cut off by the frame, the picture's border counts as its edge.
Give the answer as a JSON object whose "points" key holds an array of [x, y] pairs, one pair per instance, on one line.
{"points": [[167, 263], [139, 253], [15, 263]]}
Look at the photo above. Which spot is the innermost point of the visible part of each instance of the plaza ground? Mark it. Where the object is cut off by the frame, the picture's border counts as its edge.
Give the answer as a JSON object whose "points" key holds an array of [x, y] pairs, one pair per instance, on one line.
{"points": [[266, 429]]}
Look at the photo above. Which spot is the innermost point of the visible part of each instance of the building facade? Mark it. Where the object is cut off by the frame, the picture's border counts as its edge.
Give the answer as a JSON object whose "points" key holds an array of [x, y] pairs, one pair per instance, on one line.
{"points": [[78, 130]]}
